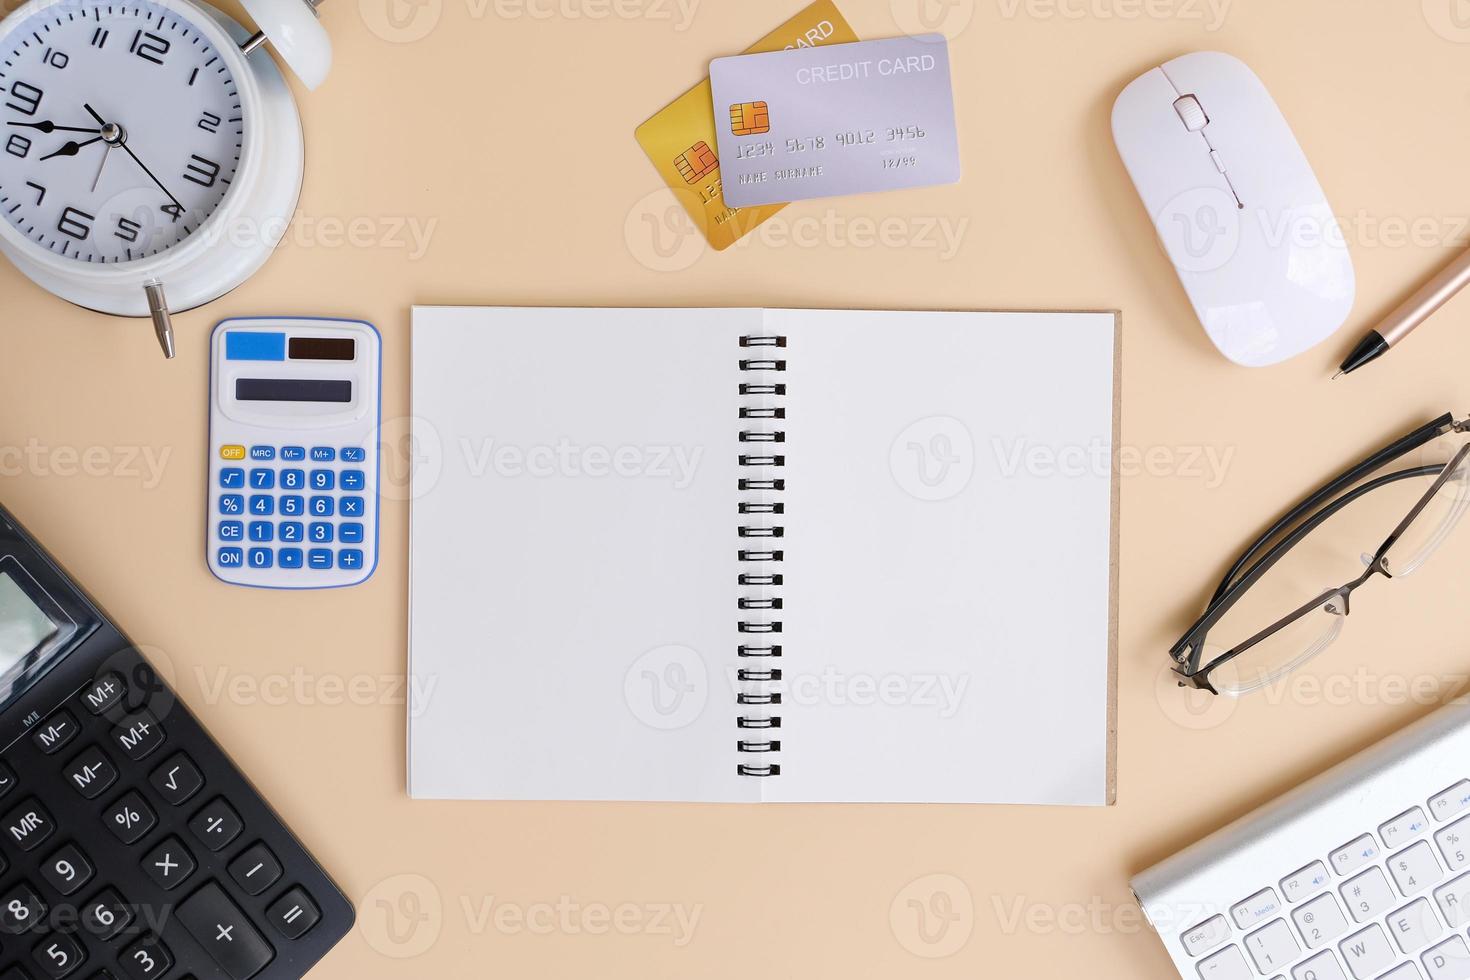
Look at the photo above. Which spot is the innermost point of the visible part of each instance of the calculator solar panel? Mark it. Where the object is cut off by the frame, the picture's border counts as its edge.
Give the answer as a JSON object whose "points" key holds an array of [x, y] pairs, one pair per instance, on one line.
{"points": [[132, 846]]}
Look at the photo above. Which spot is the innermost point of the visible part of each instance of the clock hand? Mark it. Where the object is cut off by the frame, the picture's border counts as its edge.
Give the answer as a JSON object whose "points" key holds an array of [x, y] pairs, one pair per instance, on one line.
{"points": [[47, 126], [106, 152], [141, 165], [72, 148]]}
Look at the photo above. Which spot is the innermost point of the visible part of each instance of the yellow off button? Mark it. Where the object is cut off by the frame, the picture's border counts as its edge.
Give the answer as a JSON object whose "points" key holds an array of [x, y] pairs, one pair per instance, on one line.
{"points": [[231, 452]]}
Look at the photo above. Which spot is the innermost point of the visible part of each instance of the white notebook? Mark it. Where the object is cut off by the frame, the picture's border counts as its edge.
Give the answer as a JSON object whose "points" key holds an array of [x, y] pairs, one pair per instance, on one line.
{"points": [[741, 555]]}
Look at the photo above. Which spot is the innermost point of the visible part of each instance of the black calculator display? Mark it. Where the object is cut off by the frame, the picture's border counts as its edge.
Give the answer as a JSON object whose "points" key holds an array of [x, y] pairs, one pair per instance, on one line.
{"points": [[131, 848]]}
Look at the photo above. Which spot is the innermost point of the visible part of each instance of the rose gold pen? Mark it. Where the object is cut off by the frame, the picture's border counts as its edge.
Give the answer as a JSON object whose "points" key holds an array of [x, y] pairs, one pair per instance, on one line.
{"points": [[1412, 312]]}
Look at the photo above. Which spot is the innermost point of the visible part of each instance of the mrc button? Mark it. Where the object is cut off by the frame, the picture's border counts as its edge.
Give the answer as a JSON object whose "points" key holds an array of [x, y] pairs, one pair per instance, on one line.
{"points": [[27, 826]]}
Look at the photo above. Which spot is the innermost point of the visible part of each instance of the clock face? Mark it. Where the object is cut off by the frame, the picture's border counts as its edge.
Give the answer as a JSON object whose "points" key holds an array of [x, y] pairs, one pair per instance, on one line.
{"points": [[121, 129]]}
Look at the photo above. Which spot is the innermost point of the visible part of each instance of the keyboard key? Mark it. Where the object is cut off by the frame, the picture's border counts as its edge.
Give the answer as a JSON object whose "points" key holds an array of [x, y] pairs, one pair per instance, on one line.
{"points": [[1273, 947], [1453, 900], [130, 818], [1258, 908], [231, 452], [353, 480], [21, 909], [353, 454], [262, 531], [1415, 868], [1403, 828], [353, 506], [7, 780], [68, 870], [1404, 971], [262, 504], [293, 452], [290, 557], [225, 932], [1305, 882], [231, 531], [105, 692], [1228, 964], [1354, 854], [262, 479], [90, 773], [323, 454], [56, 732], [319, 558], [321, 532], [58, 955], [262, 558], [1367, 953], [293, 479], [1454, 843], [216, 825], [177, 780], [293, 506], [138, 735], [1447, 803], [350, 533], [231, 558], [27, 826], [231, 478], [1320, 921], [323, 506], [1414, 926], [292, 531], [1450, 960], [256, 869], [349, 558], [169, 864], [1205, 936], [231, 504], [323, 480], [147, 959], [1368, 895], [262, 452], [106, 915], [294, 913], [1323, 966]]}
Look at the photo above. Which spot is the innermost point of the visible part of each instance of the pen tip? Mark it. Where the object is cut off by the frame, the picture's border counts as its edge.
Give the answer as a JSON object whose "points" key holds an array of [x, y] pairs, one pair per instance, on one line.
{"points": [[1338, 375]]}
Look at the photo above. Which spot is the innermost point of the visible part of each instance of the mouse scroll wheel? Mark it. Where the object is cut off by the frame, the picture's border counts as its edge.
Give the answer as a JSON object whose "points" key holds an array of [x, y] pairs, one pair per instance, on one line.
{"points": [[1192, 113]]}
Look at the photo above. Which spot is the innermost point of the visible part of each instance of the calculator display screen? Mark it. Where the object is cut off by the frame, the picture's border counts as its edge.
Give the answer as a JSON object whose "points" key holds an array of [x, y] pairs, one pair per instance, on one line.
{"points": [[323, 349], [23, 626], [292, 390]]}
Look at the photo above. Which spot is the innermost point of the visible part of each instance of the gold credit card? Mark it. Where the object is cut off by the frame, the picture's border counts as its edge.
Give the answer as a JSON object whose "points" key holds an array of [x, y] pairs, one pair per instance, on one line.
{"points": [[681, 137]]}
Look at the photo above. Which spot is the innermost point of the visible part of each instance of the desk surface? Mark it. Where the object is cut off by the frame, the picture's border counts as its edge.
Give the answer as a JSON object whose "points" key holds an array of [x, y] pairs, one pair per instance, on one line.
{"points": [[481, 151]]}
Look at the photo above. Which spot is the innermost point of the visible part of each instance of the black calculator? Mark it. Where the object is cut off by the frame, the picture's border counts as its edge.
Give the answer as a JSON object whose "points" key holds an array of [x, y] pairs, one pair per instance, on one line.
{"points": [[131, 848]]}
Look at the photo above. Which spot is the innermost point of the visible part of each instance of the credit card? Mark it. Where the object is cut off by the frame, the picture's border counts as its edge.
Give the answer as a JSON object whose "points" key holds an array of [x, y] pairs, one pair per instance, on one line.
{"points": [[839, 119], [680, 139]]}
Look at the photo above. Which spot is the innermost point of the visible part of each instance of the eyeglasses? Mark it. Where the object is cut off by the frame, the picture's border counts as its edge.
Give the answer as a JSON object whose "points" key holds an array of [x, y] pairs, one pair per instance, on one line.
{"points": [[1270, 615]]}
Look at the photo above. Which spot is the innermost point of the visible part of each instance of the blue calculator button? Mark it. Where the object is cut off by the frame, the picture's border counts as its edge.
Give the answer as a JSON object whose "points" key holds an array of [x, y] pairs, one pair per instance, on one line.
{"points": [[262, 504], [262, 452], [349, 558], [350, 533], [322, 506], [353, 454], [319, 557], [231, 503], [321, 533], [293, 480], [262, 479], [293, 506], [231, 530], [323, 454], [353, 480], [352, 506], [231, 557], [232, 478], [262, 531], [291, 531], [323, 479], [290, 557], [293, 452], [262, 558]]}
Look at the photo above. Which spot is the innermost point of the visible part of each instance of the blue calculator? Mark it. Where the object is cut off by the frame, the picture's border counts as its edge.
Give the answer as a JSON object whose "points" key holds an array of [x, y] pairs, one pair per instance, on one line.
{"points": [[294, 412]]}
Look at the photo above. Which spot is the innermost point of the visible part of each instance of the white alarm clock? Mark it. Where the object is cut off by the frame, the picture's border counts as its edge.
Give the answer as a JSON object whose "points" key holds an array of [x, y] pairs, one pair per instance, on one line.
{"points": [[149, 145]]}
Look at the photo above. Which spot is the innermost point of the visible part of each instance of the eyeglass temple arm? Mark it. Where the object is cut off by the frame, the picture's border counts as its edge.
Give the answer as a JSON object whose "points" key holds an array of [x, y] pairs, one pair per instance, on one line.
{"points": [[1408, 443]]}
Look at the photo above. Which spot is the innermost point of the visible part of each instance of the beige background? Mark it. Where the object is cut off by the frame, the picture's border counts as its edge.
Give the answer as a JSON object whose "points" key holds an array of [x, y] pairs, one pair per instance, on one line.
{"points": [[504, 128]]}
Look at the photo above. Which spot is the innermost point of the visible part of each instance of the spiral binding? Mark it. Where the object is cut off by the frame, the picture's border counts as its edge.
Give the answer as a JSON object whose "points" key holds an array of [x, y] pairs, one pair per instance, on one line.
{"points": [[759, 521]]}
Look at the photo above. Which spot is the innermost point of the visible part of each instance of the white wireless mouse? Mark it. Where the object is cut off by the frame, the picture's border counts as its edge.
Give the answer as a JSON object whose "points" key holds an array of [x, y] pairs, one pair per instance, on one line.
{"points": [[1236, 205]]}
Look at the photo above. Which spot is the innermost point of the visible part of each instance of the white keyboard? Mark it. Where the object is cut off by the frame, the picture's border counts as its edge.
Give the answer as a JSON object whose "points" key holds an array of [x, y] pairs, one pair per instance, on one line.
{"points": [[1361, 874]]}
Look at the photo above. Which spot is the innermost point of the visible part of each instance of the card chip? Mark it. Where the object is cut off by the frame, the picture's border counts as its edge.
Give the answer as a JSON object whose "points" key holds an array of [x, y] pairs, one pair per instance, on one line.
{"points": [[696, 162], [750, 118]]}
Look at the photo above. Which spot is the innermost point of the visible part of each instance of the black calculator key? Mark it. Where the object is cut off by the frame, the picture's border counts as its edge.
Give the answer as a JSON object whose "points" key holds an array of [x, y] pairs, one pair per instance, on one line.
{"points": [[21, 909], [7, 783], [256, 869], [146, 959], [55, 732], [222, 929], [177, 779], [169, 864], [105, 692], [90, 773], [130, 818], [67, 870], [27, 826], [294, 913], [138, 735], [216, 825], [106, 915], [58, 955]]}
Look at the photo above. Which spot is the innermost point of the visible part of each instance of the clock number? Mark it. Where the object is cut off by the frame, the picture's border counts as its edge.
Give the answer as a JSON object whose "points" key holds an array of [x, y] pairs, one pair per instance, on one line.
{"points": [[56, 59], [27, 98], [40, 192], [127, 230], [174, 211], [100, 36], [201, 171], [210, 122], [18, 146], [149, 47], [77, 224]]}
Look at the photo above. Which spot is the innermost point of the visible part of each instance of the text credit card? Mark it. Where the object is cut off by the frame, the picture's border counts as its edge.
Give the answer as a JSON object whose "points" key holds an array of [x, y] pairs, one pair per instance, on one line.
{"points": [[680, 139], [839, 119]]}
